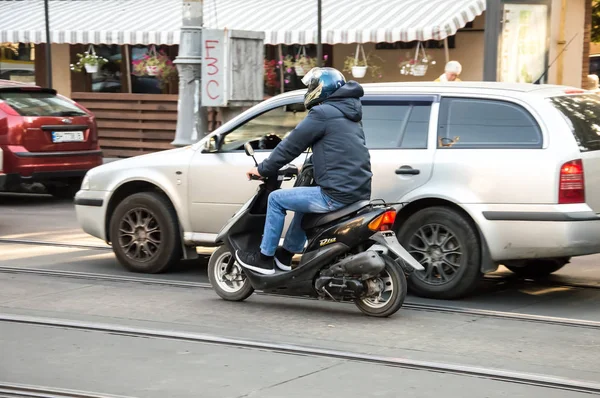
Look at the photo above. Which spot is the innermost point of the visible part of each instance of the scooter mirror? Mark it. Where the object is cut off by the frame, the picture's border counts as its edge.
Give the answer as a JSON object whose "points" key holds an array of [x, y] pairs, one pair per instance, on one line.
{"points": [[248, 148]]}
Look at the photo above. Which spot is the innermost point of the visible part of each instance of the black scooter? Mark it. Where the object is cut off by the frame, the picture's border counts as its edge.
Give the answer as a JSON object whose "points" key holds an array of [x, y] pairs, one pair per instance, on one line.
{"points": [[352, 254]]}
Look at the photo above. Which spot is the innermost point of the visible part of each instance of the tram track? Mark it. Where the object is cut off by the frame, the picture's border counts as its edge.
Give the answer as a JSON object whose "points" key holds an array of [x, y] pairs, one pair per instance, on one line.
{"points": [[548, 320], [13, 390], [502, 375], [496, 279]]}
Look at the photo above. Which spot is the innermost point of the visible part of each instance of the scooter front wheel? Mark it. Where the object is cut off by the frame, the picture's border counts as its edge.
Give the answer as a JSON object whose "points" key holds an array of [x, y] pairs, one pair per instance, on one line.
{"points": [[391, 283], [232, 284]]}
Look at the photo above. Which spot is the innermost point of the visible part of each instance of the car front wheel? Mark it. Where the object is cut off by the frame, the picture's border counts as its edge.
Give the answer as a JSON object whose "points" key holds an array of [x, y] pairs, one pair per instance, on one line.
{"points": [[144, 233], [447, 245]]}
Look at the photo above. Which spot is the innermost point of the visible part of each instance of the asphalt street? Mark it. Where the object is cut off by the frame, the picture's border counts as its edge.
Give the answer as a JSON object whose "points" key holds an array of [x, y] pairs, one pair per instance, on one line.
{"points": [[130, 365]]}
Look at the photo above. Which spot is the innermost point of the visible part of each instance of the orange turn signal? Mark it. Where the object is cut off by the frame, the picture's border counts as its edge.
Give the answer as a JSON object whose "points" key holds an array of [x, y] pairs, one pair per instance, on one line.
{"points": [[384, 222]]}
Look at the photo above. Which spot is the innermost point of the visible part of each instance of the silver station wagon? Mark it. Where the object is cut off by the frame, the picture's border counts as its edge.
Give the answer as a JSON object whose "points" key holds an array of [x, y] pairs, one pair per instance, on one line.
{"points": [[491, 174]]}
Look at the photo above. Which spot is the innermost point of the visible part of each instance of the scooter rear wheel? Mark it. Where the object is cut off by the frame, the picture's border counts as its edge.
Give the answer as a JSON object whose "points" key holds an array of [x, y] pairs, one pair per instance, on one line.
{"points": [[233, 285], [392, 297]]}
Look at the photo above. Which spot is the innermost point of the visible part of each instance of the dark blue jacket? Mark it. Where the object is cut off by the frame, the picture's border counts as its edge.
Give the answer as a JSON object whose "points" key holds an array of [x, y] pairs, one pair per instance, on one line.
{"points": [[342, 164]]}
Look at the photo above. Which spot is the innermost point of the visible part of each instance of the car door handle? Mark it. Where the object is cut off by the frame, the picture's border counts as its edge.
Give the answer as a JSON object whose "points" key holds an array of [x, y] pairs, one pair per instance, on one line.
{"points": [[407, 170]]}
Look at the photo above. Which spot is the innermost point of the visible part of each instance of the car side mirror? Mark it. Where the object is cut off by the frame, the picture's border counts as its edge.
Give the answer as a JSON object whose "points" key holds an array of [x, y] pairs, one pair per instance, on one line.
{"points": [[210, 145]]}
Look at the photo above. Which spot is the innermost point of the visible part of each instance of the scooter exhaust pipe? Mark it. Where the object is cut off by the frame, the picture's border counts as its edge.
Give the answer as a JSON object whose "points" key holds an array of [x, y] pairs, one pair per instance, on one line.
{"points": [[366, 264]]}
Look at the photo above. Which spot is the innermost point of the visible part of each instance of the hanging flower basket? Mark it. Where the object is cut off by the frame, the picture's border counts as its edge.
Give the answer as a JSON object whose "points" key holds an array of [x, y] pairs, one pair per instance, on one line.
{"points": [[359, 71], [418, 65], [420, 70], [302, 69], [157, 64], [358, 67], [89, 61], [301, 63], [91, 68], [152, 70]]}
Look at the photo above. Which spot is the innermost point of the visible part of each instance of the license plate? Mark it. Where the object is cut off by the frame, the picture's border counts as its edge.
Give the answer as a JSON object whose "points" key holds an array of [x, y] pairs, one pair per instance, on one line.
{"points": [[67, 136]]}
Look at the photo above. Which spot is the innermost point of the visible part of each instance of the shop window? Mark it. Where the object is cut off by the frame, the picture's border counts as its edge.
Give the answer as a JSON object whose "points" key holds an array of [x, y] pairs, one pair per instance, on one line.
{"points": [[17, 62], [142, 81], [119, 76], [108, 78], [275, 64]]}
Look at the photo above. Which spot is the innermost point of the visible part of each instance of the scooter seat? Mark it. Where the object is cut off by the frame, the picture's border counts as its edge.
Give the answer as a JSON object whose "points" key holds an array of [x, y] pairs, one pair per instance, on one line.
{"points": [[314, 220]]}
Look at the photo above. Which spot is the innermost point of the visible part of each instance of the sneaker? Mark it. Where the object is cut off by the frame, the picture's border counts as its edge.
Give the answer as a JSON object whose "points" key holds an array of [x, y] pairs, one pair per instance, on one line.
{"points": [[255, 261], [283, 259]]}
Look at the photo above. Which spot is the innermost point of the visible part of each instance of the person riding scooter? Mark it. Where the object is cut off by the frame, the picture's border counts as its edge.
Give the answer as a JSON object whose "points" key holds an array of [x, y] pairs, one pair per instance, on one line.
{"points": [[341, 161]]}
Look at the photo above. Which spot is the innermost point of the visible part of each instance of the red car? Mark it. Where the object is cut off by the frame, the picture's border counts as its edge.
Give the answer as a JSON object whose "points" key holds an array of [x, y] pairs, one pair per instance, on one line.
{"points": [[44, 138]]}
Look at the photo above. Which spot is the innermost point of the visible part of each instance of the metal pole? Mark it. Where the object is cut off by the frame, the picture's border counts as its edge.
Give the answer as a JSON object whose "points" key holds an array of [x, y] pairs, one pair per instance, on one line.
{"points": [[319, 43], [192, 117], [281, 75], [446, 50], [493, 17], [48, 45]]}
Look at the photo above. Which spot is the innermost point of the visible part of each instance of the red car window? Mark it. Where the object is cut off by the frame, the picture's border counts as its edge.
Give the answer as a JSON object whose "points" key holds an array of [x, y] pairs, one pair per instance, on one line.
{"points": [[40, 104]]}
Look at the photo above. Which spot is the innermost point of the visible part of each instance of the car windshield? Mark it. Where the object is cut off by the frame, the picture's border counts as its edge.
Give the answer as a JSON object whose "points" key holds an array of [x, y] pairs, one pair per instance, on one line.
{"points": [[40, 104], [582, 112]]}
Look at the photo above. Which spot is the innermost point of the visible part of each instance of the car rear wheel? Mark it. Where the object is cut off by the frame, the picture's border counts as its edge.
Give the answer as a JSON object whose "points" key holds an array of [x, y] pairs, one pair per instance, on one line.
{"points": [[144, 233], [447, 245], [539, 268]]}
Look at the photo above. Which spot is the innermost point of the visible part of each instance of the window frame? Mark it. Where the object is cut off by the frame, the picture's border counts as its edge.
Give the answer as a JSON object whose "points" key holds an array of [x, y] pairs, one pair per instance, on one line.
{"points": [[443, 119], [219, 136], [399, 99]]}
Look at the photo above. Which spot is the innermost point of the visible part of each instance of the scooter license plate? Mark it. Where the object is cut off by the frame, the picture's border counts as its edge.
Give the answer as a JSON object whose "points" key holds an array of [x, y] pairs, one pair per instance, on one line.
{"points": [[389, 240]]}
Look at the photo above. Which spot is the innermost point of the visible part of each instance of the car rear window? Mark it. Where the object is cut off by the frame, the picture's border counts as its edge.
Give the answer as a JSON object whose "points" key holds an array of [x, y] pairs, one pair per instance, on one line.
{"points": [[582, 112], [483, 123], [39, 104]]}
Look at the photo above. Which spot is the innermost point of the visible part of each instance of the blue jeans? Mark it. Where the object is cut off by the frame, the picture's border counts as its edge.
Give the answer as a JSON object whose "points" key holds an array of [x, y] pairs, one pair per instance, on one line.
{"points": [[300, 200]]}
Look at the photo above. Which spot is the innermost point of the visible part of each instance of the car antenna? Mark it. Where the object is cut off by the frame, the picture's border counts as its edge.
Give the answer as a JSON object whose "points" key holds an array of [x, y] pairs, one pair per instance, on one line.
{"points": [[552, 63]]}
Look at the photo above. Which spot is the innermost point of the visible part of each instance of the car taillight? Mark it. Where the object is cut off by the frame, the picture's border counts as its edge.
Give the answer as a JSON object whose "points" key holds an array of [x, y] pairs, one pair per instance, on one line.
{"points": [[4, 107], [384, 222], [571, 187]]}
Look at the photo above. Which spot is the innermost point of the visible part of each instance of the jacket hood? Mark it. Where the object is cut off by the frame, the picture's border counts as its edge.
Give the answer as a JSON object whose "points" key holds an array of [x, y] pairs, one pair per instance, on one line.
{"points": [[347, 100]]}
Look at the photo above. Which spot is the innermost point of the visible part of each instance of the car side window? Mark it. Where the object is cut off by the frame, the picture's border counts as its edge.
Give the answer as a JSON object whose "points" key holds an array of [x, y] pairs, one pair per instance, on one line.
{"points": [[266, 130], [481, 123], [396, 125]]}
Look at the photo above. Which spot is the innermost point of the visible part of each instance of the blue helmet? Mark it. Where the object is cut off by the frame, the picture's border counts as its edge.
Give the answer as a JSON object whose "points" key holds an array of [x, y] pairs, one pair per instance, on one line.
{"points": [[321, 83]]}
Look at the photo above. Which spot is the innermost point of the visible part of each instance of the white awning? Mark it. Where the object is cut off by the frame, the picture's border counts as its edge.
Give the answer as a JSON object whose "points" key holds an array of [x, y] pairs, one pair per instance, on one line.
{"points": [[92, 21], [159, 21], [344, 21]]}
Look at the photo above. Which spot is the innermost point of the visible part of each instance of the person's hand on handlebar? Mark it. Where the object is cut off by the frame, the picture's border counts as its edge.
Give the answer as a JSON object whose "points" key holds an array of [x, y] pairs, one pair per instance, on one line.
{"points": [[253, 174]]}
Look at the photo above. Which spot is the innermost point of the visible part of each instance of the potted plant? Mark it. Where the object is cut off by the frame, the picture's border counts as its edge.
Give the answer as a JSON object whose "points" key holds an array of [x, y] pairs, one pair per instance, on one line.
{"points": [[300, 62], [358, 67], [155, 63], [89, 61], [418, 65]]}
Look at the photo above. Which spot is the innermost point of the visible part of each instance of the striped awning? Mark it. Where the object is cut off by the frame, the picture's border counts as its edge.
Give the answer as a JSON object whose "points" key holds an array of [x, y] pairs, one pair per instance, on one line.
{"points": [[344, 21], [159, 21], [92, 21]]}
